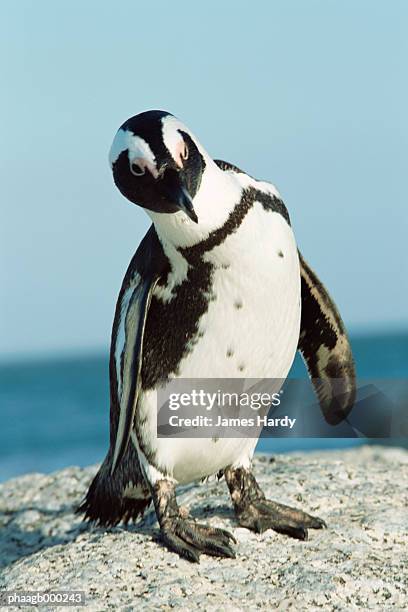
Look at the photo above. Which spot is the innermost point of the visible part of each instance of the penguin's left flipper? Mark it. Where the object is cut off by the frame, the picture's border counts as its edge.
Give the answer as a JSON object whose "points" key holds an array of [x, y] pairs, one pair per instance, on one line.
{"points": [[325, 348], [181, 534], [257, 513]]}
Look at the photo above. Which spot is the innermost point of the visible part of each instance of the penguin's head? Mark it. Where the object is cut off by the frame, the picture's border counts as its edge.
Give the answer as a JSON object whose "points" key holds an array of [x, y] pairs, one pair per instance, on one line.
{"points": [[157, 164]]}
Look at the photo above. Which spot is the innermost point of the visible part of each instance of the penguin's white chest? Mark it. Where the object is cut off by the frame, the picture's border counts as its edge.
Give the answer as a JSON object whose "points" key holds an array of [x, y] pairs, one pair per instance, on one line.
{"points": [[251, 327], [249, 330]]}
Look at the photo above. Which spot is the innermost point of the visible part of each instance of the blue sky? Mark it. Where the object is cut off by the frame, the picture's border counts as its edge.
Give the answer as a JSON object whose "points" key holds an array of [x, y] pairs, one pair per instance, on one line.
{"points": [[309, 95]]}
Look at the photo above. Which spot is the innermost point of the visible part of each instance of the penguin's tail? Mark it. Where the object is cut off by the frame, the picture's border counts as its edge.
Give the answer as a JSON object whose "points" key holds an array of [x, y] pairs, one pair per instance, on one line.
{"points": [[119, 497]]}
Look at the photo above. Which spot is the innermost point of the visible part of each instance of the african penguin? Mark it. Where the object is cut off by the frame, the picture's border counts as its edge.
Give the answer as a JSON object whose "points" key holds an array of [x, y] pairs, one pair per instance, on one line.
{"points": [[216, 289]]}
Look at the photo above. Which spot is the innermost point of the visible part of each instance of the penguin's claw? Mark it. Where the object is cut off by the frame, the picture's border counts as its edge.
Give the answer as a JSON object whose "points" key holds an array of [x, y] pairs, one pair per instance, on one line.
{"points": [[257, 513], [264, 514], [189, 539], [181, 534], [179, 546]]}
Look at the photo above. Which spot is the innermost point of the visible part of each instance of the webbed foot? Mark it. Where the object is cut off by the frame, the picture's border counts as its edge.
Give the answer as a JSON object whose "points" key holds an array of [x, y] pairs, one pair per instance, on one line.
{"points": [[257, 513], [182, 534]]}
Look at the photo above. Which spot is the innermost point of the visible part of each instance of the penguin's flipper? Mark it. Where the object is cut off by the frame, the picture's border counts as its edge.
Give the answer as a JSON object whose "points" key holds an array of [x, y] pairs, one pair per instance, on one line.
{"points": [[145, 269], [325, 348]]}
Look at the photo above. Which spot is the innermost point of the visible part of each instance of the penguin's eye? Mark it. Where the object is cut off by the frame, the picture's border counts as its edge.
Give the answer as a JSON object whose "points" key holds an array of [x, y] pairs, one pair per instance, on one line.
{"points": [[137, 170], [184, 152]]}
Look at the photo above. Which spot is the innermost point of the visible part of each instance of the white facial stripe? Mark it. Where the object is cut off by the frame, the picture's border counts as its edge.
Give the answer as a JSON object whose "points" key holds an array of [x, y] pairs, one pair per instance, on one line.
{"points": [[120, 143], [174, 141], [137, 147]]}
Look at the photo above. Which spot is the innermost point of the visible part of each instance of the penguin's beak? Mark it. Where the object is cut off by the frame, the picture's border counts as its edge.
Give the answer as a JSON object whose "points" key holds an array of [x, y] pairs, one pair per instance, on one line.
{"points": [[185, 203], [177, 193]]}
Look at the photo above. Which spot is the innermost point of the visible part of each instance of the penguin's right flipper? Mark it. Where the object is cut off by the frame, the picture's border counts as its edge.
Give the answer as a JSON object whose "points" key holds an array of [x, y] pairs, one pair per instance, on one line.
{"points": [[119, 491], [145, 269]]}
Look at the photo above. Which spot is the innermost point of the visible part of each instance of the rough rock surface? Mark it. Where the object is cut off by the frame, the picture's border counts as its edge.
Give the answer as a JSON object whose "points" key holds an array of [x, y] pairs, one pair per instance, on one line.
{"points": [[360, 561]]}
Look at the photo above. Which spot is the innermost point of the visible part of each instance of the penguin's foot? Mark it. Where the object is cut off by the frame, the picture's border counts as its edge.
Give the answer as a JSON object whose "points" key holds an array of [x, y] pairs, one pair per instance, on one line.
{"points": [[257, 513], [182, 534]]}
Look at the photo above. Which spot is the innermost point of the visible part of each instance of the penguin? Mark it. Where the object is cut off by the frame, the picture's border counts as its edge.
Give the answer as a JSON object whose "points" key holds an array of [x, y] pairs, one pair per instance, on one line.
{"points": [[216, 289]]}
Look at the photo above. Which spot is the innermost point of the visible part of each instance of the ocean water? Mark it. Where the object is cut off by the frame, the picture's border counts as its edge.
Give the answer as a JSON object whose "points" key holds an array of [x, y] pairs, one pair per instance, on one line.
{"points": [[55, 411]]}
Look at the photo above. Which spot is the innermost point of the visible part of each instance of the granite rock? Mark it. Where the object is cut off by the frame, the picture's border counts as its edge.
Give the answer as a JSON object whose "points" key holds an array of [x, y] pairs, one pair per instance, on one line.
{"points": [[360, 561]]}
